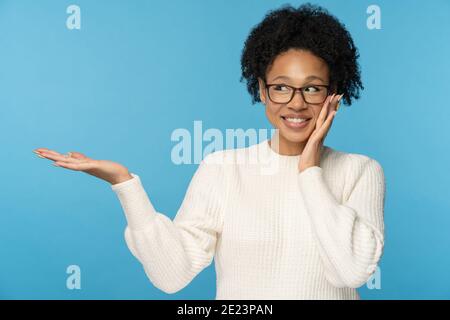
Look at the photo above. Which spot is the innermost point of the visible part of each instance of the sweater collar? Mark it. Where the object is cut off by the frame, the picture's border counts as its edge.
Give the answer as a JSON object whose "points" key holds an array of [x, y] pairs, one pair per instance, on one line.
{"points": [[270, 156]]}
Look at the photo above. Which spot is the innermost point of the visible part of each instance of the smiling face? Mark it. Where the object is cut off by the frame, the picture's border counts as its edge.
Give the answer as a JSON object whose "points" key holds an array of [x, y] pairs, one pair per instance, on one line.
{"points": [[297, 68]]}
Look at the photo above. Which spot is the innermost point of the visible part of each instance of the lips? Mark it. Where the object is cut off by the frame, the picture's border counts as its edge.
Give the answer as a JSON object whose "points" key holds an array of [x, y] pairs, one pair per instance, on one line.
{"points": [[295, 124], [296, 116]]}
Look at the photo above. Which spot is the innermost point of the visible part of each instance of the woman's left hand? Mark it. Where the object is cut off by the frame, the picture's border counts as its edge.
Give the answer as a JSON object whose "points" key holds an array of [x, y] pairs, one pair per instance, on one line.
{"points": [[310, 156]]}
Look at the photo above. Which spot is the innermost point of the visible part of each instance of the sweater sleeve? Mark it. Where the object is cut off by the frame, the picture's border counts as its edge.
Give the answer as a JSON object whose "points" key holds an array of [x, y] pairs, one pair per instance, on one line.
{"points": [[172, 253], [350, 236]]}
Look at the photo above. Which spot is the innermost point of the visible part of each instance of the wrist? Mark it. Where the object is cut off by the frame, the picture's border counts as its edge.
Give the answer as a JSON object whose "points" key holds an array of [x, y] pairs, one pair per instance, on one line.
{"points": [[304, 167], [121, 178]]}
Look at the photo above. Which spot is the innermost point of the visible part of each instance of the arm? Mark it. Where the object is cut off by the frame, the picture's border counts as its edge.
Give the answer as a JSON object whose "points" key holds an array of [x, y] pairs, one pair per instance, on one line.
{"points": [[349, 235], [174, 252]]}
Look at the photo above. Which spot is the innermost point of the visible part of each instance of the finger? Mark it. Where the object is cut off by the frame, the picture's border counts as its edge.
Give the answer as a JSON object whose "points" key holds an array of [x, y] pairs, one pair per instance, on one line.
{"points": [[77, 155], [327, 124], [40, 150], [324, 111], [77, 166], [338, 102], [331, 106], [334, 101], [73, 154], [322, 131], [57, 157]]}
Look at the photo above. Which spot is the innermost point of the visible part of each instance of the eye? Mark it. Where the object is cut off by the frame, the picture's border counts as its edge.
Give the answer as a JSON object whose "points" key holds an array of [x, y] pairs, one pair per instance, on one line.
{"points": [[280, 87], [313, 89]]}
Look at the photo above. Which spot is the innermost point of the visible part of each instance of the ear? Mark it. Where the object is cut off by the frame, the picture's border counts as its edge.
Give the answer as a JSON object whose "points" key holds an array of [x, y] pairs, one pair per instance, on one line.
{"points": [[262, 90]]}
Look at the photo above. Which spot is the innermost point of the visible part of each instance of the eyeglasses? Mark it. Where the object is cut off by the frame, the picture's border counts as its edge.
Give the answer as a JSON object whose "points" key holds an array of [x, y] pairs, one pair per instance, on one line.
{"points": [[283, 93]]}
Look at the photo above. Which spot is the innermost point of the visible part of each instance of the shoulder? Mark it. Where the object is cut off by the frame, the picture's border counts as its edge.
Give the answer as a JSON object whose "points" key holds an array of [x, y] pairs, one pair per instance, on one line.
{"points": [[229, 157], [232, 163], [352, 164], [215, 163], [218, 157]]}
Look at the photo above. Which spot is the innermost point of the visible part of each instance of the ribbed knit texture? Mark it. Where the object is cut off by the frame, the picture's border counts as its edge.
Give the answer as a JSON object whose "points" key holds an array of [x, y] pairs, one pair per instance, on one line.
{"points": [[274, 233]]}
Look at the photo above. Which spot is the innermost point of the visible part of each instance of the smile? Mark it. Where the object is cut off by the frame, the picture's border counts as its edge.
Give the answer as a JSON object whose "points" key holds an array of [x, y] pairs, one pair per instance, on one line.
{"points": [[295, 123]]}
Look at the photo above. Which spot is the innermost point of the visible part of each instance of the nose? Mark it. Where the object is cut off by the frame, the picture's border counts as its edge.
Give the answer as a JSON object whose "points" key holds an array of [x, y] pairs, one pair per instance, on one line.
{"points": [[297, 102]]}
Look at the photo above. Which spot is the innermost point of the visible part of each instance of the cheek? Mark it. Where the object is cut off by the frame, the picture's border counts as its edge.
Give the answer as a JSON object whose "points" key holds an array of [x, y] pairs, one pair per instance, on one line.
{"points": [[316, 114], [272, 114]]}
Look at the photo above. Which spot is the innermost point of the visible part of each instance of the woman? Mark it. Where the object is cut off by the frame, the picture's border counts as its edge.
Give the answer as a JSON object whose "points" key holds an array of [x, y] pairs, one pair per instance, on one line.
{"points": [[312, 228]]}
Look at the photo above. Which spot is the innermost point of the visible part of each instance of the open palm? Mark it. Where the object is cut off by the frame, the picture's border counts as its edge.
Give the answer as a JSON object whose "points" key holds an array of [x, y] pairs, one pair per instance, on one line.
{"points": [[109, 171]]}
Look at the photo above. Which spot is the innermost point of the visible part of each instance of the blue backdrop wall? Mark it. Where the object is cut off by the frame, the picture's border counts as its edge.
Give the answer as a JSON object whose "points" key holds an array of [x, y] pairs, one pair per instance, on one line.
{"points": [[135, 71]]}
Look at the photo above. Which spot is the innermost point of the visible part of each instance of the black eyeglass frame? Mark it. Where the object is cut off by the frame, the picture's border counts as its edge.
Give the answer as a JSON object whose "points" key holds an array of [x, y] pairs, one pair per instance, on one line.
{"points": [[268, 85]]}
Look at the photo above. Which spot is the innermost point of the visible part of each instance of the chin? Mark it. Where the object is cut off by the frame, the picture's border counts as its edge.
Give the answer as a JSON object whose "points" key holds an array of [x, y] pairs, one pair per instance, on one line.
{"points": [[295, 137]]}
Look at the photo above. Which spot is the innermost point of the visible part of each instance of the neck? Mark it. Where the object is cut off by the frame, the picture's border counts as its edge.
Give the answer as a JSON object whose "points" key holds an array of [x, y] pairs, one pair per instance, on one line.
{"points": [[285, 147]]}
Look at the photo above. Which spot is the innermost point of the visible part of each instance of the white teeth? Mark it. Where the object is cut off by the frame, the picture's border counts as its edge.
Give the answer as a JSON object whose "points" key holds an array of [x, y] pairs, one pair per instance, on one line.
{"points": [[296, 120]]}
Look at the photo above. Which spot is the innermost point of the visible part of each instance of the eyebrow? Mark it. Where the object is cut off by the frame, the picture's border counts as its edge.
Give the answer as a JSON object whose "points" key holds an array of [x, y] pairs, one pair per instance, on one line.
{"points": [[308, 78]]}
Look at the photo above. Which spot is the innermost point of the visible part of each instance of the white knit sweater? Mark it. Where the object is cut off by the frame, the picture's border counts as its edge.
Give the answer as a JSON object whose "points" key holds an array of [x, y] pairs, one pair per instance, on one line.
{"points": [[274, 233]]}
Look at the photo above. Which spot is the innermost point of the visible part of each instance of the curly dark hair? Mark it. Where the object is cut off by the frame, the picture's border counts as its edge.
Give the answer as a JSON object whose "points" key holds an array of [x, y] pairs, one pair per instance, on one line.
{"points": [[309, 27]]}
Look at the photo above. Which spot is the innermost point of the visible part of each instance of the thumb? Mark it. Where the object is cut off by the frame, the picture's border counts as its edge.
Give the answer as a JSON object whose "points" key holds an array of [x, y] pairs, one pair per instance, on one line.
{"points": [[77, 155]]}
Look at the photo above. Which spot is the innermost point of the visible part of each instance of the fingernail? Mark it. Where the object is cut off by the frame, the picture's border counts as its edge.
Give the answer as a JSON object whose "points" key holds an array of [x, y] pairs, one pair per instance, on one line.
{"points": [[40, 156], [36, 151], [55, 164]]}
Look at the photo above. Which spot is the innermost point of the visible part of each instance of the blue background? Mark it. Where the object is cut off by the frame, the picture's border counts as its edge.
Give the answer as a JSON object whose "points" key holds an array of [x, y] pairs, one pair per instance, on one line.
{"points": [[138, 70]]}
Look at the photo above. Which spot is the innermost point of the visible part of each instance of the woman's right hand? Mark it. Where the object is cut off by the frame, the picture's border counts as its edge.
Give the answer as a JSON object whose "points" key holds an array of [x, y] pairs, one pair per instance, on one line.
{"points": [[109, 171]]}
